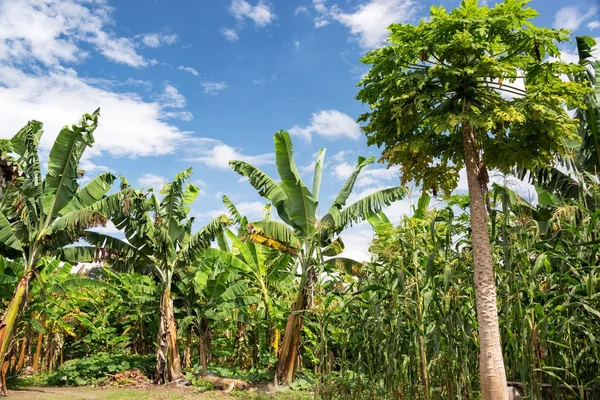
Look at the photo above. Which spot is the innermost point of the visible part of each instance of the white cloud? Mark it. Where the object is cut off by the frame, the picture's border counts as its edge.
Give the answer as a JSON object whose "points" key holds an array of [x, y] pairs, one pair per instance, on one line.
{"points": [[301, 10], [252, 210], [322, 18], [593, 25], [261, 13], [341, 155], [368, 176], [571, 17], [171, 98], [525, 189], [129, 126], [357, 241], [217, 154], [265, 81], [331, 124], [230, 34], [213, 87], [368, 22], [109, 229], [308, 169], [158, 39], [155, 182], [112, 83], [343, 170], [49, 32], [188, 69], [296, 43]]}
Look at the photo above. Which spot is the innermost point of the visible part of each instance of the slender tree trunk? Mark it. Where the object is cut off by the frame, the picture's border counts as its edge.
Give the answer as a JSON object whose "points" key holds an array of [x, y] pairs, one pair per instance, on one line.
{"points": [[8, 324], [288, 353], [168, 365], [24, 346], [203, 346], [187, 354], [38, 352], [50, 350], [491, 364]]}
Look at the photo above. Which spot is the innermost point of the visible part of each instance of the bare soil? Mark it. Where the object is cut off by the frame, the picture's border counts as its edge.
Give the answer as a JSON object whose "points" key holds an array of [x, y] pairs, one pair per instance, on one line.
{"points": [[89, 393]]}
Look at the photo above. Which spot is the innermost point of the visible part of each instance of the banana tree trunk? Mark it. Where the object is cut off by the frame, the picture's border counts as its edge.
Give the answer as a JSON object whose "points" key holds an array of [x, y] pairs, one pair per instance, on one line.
{"points": [[187, 354], [24, 346], [288, 353], [491, 363], [168, 365], [203, 346], [38, 352], [8, 324]]}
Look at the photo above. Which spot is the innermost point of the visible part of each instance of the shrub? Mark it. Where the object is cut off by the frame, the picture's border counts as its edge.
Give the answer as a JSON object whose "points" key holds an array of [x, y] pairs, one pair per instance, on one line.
{"points": [[95, 369]]}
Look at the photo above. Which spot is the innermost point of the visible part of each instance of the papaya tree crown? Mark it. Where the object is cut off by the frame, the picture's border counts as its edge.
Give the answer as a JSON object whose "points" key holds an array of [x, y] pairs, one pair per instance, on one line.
{"points": [[488, 67]]}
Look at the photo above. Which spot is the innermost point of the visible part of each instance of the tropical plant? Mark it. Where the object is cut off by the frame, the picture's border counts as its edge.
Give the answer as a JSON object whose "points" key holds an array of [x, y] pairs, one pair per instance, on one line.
{"points": [[443, 97], [264, 269], [160, 241], [40, 216], [303, 233]]}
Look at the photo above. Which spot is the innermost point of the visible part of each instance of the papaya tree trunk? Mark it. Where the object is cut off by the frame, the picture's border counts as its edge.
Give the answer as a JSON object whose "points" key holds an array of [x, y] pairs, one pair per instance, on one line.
{"points": [[288, 353], [168, 365], [491, 363], [9, 322]]}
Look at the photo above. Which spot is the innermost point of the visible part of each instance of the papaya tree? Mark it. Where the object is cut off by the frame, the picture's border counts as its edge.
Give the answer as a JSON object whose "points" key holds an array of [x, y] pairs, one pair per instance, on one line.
{"points": [[584, 159], [444, 96], [159, 240], [304, 234], [40, 216]]}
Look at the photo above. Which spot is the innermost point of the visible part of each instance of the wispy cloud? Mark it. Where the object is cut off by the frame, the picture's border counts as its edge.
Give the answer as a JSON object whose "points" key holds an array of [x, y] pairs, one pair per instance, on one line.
{"points": [[188, 70], [572, 17], [159, 39], [230, 34], [213, 88], [265, 81], [261, 14]]}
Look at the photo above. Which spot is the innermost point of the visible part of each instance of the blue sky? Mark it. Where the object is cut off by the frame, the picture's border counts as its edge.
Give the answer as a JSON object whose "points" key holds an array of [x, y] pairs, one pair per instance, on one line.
{"points": [[195, 83]]}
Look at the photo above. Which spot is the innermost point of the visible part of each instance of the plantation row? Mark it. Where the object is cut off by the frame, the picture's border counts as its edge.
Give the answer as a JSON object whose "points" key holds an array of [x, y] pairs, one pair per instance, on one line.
{"points": [[484, 281]]}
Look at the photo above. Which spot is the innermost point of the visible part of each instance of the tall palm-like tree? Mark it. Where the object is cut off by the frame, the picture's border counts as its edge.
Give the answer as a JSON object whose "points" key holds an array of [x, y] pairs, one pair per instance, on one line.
{"points": [[39, 215], [303, 232], [159, 239]]}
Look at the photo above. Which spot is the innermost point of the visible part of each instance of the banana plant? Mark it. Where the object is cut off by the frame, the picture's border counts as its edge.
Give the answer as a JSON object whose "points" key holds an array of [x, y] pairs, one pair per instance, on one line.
{"points": [[304, 233], [160, 240], [39, 215], [263, 268], [211, 291]]}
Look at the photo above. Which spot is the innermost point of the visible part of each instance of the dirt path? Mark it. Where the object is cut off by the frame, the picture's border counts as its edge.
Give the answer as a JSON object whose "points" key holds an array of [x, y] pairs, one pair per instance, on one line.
{"points": [[86, 393]]}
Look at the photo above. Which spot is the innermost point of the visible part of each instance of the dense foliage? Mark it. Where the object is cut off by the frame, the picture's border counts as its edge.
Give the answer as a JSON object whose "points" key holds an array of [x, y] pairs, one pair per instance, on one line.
{"points": [[275, 300]]}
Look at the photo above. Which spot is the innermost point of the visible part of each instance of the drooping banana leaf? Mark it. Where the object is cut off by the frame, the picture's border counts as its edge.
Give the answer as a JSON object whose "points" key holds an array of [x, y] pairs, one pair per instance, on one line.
{"points": [[364, 208], [7, 236], [265, 186]]}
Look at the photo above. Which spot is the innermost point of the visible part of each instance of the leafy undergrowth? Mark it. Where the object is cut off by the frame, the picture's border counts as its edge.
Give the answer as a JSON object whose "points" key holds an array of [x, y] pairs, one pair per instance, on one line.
{"points": [[90, 371]]}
